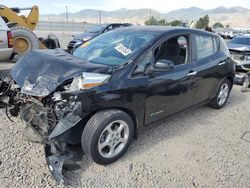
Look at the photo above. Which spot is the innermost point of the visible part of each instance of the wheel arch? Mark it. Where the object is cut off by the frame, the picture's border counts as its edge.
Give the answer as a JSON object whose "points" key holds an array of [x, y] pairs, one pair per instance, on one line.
{"points": [[128, 111], [231, 80]]}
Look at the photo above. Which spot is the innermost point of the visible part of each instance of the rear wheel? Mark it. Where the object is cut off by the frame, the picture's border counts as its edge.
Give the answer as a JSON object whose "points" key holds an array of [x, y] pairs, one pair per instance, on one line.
{"points": [[107, 135], [222, 95]]}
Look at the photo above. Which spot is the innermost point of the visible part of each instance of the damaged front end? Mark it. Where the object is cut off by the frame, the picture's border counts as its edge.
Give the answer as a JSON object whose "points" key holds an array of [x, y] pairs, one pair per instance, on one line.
{"points": [[43, 91], [48, 121], [241, 57]]}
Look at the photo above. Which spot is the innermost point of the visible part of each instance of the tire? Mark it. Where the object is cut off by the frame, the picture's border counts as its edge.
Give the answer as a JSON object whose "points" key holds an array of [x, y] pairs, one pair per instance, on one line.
{"points": [[220, 100], [101, 134], [49, 43], [28, 38]]}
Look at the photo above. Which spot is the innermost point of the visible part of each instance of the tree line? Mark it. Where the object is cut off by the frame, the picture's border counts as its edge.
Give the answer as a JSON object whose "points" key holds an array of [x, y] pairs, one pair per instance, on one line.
{"points": [[202, 23]]}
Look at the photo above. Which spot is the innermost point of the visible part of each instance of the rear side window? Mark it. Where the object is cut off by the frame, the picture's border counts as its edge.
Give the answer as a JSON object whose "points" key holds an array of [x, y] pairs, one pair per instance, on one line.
{"points": [[206, 46]]}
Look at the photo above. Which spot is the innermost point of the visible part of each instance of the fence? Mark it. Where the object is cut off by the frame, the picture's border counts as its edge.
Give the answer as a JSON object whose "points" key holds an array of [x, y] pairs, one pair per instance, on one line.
{"points": [[62, 26]]}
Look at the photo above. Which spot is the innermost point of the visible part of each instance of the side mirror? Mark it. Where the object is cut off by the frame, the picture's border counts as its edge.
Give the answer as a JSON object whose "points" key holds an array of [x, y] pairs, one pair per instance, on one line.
{"points": [[163, 65]]}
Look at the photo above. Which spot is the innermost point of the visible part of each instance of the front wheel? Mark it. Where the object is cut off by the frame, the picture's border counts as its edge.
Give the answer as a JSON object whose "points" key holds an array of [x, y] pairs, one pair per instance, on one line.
{"points": [[222, 95], [107, 135]]}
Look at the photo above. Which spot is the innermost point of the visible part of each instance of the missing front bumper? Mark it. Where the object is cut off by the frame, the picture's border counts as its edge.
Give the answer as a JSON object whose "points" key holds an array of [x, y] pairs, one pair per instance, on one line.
{"points": [[43, 125]]}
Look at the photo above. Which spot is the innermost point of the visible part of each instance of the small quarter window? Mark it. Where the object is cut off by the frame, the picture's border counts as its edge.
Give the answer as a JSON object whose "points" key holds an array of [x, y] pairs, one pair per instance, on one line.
{"points": [[216, 44]]}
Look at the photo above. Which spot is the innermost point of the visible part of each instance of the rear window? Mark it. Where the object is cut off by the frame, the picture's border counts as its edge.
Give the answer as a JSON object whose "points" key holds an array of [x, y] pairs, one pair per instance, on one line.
{"points": [[206, 46]]}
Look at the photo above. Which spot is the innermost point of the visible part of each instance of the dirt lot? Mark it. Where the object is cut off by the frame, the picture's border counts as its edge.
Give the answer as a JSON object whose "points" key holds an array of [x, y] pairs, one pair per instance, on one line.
{"points": [[200, 148]]}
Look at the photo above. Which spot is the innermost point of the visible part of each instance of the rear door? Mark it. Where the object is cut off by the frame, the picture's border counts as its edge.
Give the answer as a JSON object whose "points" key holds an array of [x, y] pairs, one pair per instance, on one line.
{"points": [[210, 64]]}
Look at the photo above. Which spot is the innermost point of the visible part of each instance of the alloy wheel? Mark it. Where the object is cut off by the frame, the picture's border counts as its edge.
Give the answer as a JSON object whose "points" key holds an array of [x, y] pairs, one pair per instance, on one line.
{"points": [[223, 94], [113, 139]]}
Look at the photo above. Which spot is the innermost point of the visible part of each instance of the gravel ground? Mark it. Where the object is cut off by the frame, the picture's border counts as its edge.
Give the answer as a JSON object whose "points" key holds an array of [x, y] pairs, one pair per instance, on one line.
{"points": [[200, 148]]}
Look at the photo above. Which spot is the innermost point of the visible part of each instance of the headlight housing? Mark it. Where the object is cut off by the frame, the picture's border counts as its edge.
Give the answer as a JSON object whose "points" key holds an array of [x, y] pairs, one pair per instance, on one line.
{"points": [[88, 80]]}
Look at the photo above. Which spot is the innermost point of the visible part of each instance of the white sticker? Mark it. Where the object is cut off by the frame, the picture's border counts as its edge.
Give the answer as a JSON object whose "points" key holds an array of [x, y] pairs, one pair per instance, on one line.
{"points": [[123, 50], [51, 168]]}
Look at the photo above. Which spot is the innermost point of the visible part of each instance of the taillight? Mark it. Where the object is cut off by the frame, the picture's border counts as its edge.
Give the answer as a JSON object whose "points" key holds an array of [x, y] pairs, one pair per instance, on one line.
{"points": [[10, 39]]}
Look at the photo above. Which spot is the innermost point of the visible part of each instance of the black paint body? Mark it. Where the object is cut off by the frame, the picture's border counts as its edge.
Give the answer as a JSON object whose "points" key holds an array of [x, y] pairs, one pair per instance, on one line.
{"points": [[147, 98], [152, 97]]}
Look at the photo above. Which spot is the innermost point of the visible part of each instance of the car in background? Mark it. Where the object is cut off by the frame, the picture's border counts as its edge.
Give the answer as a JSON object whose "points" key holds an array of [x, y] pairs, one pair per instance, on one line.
{"points": [[92, 33], [6, 42], [228, 33], [116, 84], [239, 48]]}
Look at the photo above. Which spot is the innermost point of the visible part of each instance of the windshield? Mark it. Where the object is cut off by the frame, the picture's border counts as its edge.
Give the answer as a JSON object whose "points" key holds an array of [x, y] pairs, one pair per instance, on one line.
{"points": [[96, 29], [241, 40], [114, 48]]}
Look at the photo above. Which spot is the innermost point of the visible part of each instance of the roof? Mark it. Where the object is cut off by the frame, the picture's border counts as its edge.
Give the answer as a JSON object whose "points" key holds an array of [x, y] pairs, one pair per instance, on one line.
{"points": [[163, 29]]}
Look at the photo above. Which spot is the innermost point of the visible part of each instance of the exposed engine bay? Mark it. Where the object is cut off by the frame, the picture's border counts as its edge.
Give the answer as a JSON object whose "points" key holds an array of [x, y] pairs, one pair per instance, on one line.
{"points": [[47, 120]]}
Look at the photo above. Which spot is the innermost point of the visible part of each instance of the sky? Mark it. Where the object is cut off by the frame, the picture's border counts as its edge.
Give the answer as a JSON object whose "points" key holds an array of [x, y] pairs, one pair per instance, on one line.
{"points": [[58, 6]]}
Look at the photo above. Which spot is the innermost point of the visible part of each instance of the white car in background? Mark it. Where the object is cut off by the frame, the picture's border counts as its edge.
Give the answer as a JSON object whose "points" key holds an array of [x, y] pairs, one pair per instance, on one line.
{"points": [[6, 42]]}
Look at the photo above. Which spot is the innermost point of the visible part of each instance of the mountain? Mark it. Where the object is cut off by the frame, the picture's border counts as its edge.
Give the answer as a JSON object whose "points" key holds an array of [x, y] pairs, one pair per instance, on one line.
{"points": [[227, 16], [135, 16], [223, 10], [191, 13], [121, 13]]}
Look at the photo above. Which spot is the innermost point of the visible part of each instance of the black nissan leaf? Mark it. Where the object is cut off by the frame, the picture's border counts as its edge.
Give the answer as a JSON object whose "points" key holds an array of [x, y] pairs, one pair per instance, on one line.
{"points": [[114, 85]]}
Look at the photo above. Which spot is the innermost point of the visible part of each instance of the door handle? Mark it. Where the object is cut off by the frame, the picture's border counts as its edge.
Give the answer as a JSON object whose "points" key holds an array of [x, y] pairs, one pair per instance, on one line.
{"points": [[222, 63], [192, 73]]}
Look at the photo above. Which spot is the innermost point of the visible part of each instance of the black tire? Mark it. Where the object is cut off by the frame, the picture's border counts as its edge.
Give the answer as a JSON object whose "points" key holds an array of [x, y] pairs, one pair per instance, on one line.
{"points": [[214, 103], [94, 130], [49, 43], [27, 35]]}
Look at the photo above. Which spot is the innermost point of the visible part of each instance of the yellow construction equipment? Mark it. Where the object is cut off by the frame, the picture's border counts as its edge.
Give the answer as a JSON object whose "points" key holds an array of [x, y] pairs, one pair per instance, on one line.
{"points": [[22, 27]]}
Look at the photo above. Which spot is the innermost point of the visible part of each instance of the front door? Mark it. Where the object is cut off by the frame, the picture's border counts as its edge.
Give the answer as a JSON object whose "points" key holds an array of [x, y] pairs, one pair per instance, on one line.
{"points": [[172, 90]]}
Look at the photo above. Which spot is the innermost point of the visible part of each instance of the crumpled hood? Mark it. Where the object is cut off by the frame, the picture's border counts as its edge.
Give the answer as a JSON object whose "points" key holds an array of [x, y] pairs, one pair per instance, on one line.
{"points": [[238, 47], [40, 72]]}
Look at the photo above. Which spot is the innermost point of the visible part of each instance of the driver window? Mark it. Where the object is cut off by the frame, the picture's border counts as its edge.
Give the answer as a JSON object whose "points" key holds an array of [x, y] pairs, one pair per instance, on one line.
{"points": [[174, 49]]}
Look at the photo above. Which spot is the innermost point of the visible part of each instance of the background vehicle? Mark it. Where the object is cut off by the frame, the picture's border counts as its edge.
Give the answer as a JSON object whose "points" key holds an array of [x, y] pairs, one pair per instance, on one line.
{"points": [[92, 33], [6, 42], [22, 27], [239, 48], [120, 82]]}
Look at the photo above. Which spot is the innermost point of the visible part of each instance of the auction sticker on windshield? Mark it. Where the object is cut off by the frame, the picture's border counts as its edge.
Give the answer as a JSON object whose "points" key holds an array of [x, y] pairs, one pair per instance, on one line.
{"points": [[123, 50]]}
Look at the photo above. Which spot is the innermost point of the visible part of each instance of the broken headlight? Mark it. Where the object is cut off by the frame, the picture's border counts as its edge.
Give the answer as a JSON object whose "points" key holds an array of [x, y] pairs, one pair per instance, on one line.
{"points": [[88, 80]]}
